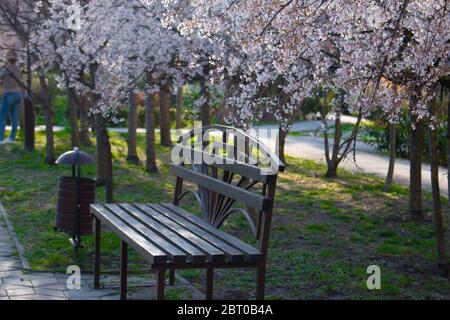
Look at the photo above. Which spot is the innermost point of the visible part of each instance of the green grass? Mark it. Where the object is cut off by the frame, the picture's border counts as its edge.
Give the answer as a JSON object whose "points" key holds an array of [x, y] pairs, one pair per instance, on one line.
{"points": [[324, 232]]}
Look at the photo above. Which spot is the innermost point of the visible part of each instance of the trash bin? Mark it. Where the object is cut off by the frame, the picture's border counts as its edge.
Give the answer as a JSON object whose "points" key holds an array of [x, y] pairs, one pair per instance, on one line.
{"points": [[75, 194]]}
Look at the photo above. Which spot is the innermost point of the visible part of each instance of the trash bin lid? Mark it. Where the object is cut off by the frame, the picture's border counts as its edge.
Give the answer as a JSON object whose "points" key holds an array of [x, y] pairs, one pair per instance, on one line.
{"points": [[75, 158]]}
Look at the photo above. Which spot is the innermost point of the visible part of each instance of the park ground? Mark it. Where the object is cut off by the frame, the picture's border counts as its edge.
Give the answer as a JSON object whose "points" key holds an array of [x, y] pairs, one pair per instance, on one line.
{"points": [[325, 233]]}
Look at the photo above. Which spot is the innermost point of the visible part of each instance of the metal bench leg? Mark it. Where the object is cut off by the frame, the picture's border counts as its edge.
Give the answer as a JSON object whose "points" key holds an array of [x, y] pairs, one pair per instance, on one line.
{"points": [[209, 283], [260, 281], [123, 269], [97, 239], [160, 289], [171, 277]]}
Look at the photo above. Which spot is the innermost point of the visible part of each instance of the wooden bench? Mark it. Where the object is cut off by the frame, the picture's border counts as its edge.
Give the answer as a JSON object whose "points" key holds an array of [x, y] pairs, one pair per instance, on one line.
{"points": [[171, 238]]}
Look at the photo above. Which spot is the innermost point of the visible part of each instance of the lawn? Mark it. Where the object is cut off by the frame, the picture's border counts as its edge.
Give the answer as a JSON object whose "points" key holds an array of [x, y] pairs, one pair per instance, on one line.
{"points": [[325, 232]]}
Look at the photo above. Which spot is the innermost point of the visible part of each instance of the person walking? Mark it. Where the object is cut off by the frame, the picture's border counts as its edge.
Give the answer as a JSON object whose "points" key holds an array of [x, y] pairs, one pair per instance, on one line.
{"points": [[12, 94]]}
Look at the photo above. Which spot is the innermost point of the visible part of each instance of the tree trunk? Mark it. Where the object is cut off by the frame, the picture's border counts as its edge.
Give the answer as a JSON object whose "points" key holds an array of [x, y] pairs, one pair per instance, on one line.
{"points": [[326, 141], [150, 123], [22, 118], [132, 128], [333, 163], [222, 110], [48, 118], [392, 151], [85, 137], [205, 108], [104, 156], [73, 113], [437, 209], [331, 170], [28, 135], [415, 171], [100, 148], [282, 134], [448, 165], [164, 114], [392, 154], [179, 112]]}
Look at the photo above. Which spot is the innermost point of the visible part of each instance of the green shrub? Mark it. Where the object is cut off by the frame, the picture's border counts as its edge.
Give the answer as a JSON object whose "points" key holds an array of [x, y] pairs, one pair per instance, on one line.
{"points": [[380, 138]]}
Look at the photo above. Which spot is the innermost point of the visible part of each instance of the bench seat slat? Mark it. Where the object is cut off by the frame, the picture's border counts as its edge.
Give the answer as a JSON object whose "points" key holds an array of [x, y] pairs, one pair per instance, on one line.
{"points": [[175, 254], [195, 255], [213, 254], [135, 240], [232, 253], [249, 250]]}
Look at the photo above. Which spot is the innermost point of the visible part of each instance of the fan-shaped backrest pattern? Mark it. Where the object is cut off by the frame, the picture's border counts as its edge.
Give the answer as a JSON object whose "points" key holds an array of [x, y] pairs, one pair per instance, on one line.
{"points": [[233, 172]]}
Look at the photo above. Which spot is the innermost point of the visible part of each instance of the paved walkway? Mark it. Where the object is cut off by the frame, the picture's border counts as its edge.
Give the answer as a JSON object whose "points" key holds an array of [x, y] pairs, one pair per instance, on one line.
{"points": [[368, 160], [16, 283]]}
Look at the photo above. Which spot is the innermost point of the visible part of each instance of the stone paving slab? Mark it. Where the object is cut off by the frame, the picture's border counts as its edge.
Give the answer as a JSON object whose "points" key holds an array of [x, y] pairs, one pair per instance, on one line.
{"points": [[60, 287], [51, 293], [87, 293], [9, 265], [44, 282], [35, 297], [17, 281], [20, 292], [10, 273], [5, 254], [36, 276]]}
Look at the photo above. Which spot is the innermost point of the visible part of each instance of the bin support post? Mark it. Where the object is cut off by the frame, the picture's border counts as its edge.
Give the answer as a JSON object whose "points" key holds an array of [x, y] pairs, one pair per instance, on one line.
{"points": [[123, 269], [97, 240]]}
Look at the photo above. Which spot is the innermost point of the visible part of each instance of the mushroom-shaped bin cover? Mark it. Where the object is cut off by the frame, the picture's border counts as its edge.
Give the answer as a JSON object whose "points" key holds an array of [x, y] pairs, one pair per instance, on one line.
{"points": [[75, 158]]}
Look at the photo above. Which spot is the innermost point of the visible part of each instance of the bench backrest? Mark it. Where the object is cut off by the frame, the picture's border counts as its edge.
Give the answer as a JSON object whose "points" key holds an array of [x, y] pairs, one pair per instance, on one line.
{"points": [[233, 172]]}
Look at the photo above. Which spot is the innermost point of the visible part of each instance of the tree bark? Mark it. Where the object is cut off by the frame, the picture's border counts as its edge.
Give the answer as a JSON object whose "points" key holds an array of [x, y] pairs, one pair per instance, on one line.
{"points": [[392, 151], [392, 154], [22, 118], [73, 114], [333, 162], [85, 137], [29, 135], [205, 108], [415, 171], [104, 156], [132, 128], [48, 118], [331, 170], [100, 148], [164, 114], [150, 123], [179, 112], [437, 208], [282, 134], [448, 165]]}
